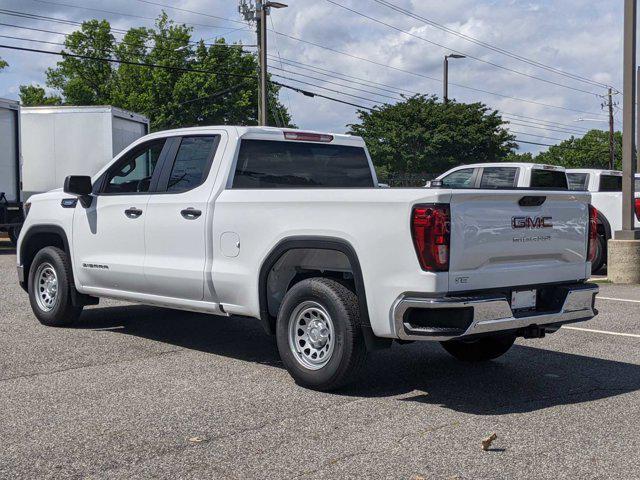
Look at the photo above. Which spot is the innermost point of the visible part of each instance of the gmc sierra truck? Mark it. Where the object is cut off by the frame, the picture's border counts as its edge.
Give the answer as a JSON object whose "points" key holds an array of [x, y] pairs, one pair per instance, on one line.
{"points": [[292, 228]]}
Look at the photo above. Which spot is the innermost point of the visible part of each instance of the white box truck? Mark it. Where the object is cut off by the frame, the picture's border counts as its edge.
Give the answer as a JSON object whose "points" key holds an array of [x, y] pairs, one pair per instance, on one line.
{"points": [[11, 216], [60, 140]]}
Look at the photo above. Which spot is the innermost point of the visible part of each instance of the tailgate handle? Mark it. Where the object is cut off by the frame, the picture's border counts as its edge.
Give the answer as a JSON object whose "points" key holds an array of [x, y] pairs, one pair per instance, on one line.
{"points": [[531, 201]]}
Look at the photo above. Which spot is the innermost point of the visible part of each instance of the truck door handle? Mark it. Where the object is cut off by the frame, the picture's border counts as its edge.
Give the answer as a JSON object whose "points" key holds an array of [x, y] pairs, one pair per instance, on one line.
{"points": [[190, 213], [133, 212]]}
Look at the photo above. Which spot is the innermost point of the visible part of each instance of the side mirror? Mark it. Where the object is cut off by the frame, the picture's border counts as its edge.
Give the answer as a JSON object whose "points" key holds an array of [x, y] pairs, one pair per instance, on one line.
{"points": [[79, 185]]}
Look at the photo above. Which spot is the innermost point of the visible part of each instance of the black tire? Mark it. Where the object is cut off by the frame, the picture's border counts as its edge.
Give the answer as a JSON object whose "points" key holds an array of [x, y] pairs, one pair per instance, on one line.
{"points": [[348, 347], [62, 312], [601, 254], [481, 349]]}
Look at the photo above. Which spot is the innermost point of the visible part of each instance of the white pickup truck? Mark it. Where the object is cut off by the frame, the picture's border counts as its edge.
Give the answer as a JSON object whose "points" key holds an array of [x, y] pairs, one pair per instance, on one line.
{"points": [[291, 228], [501, 175], [605, 187]]}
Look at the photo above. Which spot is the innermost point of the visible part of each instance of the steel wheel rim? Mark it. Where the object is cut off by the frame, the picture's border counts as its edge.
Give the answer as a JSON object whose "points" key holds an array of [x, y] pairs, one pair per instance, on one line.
{"points": [[46, 287], [311, 335]]}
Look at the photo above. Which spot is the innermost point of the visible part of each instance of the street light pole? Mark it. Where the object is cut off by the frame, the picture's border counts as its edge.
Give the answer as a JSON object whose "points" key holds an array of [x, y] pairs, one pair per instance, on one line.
{"points": [[445, 75], [445, 80]]}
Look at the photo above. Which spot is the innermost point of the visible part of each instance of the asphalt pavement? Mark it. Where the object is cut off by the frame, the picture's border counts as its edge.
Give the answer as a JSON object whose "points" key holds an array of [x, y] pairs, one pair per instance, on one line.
{"points": [[143, 392]]}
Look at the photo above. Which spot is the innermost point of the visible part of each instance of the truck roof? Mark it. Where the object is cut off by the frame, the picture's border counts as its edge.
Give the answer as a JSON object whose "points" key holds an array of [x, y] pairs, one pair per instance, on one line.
{"points": [[267, 133], [596, 171], [513, 164]]}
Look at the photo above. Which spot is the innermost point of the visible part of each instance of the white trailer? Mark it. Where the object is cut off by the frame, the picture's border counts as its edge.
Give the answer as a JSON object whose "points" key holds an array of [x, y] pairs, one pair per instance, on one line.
{"points": [[63, 140], [10, 200]]}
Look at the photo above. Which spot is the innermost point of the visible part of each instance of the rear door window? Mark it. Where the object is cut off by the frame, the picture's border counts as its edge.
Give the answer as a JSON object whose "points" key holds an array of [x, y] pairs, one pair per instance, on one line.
{"points": [[499, 177], [578, 181], [277, 164], [464, 178], [548, 179], [192, 162], [610, 183]]}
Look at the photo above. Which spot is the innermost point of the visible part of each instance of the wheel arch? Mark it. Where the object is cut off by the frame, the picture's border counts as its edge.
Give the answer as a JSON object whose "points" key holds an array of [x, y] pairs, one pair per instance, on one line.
{"points": [[312, 243], [36, 238]]}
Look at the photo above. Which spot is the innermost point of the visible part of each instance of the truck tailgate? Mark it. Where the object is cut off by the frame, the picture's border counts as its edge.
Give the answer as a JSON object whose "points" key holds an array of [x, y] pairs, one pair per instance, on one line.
{"points": [[517, 237]]}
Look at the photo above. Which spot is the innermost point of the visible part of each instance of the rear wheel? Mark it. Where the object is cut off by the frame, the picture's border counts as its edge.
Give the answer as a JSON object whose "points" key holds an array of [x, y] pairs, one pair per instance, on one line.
{"points": [[50, 288], [600, 257], [318, 334], [481, 349]]}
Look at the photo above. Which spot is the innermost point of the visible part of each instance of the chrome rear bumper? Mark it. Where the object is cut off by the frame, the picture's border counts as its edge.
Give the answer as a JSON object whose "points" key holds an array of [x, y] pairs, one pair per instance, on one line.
{"points": [[492, 313]]}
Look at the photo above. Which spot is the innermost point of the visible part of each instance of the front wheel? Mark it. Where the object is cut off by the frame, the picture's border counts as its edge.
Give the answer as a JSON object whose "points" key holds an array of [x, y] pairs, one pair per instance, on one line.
{"points": [[481, 349], [319, 335], [50, 288]]}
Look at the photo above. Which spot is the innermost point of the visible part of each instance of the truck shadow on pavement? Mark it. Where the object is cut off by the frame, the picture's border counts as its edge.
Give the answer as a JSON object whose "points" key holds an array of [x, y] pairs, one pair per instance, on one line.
{"points": [[526, 379]]}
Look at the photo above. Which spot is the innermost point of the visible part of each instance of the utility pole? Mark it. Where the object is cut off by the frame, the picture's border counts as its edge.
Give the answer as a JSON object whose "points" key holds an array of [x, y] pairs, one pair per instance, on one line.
{"points": [[261, 30], [258, 13], [629, 122]]}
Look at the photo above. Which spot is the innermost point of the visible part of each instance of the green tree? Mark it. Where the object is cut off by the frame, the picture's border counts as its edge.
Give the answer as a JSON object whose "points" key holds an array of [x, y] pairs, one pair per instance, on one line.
{"points": [[223, 90], [3, 64], [34, 95], [422, 135], [589, 151]]}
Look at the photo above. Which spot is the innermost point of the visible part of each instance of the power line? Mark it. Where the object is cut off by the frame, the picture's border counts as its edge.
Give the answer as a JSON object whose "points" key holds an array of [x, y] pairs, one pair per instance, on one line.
{"points": [[349, 78], [336, 83], [544, 122], [307, 93], [468, 55], [533, 102], [325, 88], [127, 62], [490, 46], [220, 45], [180, 9], [111, 12], [518, 121], [539, 136]]}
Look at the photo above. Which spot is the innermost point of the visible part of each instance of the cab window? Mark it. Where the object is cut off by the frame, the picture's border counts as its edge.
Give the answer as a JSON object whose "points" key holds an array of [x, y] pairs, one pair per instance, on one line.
{"points": [[499, 177], [548, 179], [578, 181], [133, 172], [464, 178], [610, 183]]}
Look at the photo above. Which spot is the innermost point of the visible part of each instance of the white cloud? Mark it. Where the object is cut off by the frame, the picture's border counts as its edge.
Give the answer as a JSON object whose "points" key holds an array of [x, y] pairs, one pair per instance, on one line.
{"points": [[575, 35]]}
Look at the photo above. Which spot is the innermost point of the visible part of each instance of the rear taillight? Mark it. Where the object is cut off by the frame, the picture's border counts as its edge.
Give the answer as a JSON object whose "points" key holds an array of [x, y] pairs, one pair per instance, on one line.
{"points": [[637, 204], [430, 226], [593, 233]]}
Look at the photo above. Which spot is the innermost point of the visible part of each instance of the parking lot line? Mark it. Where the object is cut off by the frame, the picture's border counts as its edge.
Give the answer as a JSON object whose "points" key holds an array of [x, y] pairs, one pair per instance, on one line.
{"points": [[618, 299], [590, 330]]}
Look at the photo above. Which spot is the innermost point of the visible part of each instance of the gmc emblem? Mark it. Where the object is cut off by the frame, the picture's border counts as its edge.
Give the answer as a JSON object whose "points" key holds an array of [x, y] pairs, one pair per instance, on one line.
{"points": [[529, 222]]}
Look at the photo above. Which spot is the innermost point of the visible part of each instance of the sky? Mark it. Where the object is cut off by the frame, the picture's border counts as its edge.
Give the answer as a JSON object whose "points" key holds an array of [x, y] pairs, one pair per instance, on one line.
{"points": [[573, 48]]}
